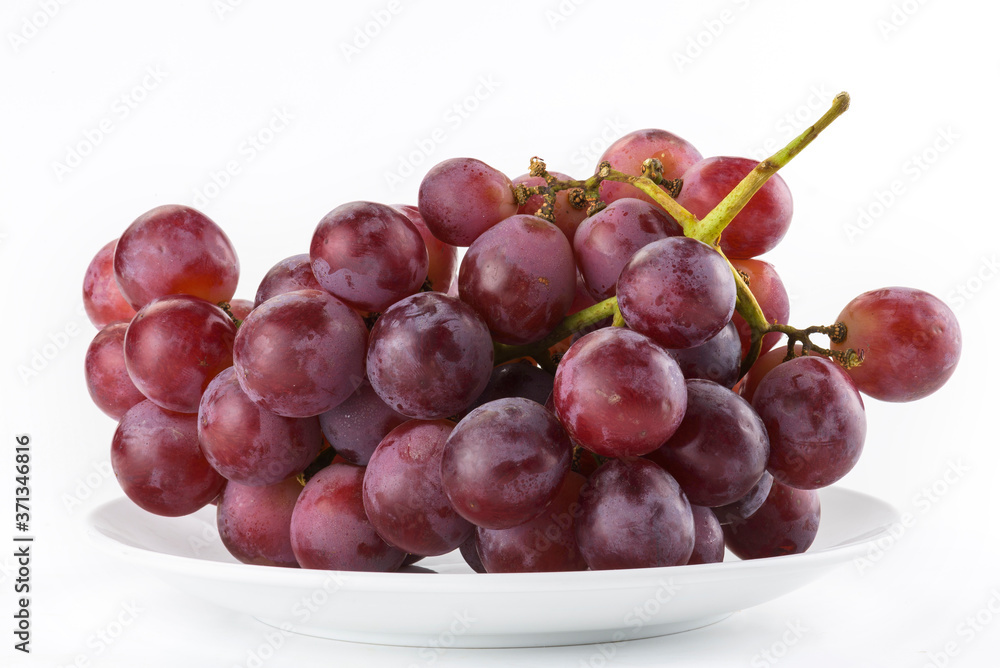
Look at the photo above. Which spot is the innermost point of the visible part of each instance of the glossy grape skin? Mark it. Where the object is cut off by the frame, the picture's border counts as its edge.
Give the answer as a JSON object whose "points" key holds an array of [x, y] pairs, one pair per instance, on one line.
{"points": [[628, 153], [175, 346], [357, 425], [175, 249], [517, 379], [760, 225], [460, 198], [102, 300], [566, 216], [520, 278], [677, 291], [761, 368], [619, 394], [255, 522], [470, 552], [505, 462], [911, 342], [429, 356], [544, 544], [158, 463], [301, 353], [720, 449], [717, 360], [709, 542], [605, 241], [108, 382], [442, 258], [291, 274], [249, 444], [746, 506], [770, 293], [815, 421], [368, 255], [330, 529], [786, 523], [403, 494], [633, 514]]}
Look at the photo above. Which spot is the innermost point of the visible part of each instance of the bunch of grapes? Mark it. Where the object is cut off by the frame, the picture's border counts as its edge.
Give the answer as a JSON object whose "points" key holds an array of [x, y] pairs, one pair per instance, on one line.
{"points": [[595, 385]]}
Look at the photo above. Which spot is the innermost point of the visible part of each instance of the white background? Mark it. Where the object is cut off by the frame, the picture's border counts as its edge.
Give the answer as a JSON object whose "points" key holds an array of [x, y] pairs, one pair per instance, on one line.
{"points": [[554, 79]]}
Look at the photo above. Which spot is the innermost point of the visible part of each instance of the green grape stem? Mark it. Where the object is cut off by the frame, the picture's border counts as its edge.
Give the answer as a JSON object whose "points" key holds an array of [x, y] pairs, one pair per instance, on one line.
{"points": [[707, 230]]}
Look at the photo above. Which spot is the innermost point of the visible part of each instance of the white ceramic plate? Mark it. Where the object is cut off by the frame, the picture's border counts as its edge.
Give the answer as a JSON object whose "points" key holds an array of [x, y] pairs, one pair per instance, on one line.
{"points": [[443, 603]]}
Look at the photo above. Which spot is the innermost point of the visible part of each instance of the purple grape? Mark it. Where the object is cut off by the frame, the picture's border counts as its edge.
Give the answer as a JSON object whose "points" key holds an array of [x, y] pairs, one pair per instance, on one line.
{"points": [[786, 523], [249, 444], [709, 541], [460, 198], [255, 522], [717, 360], [520, 277], [108, 382], [403, 495], [504, 463], [368, 255], [174, 250], [291, 274], [544, 544], [301, 353], [330, 529], [748, 504], [429, 356], [356, 426], [619, 394], [470, 552], [605, 241], [633, 514], [815, 421], [720, 449], [175, 346], [677, 291], [158, 463], [518, 379]]}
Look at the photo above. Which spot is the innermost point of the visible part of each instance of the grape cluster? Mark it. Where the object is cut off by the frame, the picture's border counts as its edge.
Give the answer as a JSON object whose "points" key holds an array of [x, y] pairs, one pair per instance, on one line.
{"points": [[592, 386]]}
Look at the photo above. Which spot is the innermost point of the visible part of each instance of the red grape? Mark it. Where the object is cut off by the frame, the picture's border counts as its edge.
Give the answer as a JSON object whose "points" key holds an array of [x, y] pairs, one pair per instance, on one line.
{"points": [[174, 249], [357, 425], [505, 462], [760, 225], [720, 449], [102, 299], [158, 463], [255, 522], [786, 523], [442, 258], [175, 346], [629, 152], [517, 379], [403, 493], [748, 504], [108, 381], [520, 278], [567, 217], [815, 421], [717, 360], [460, 198], [767, 288], [709, 542], [368, 255], [618, 393], [330, 529], [910, 339], [291, 274], [633, 514], [429, 356], [249, 444], [301, 353], [605, 241], [677, 291]]}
